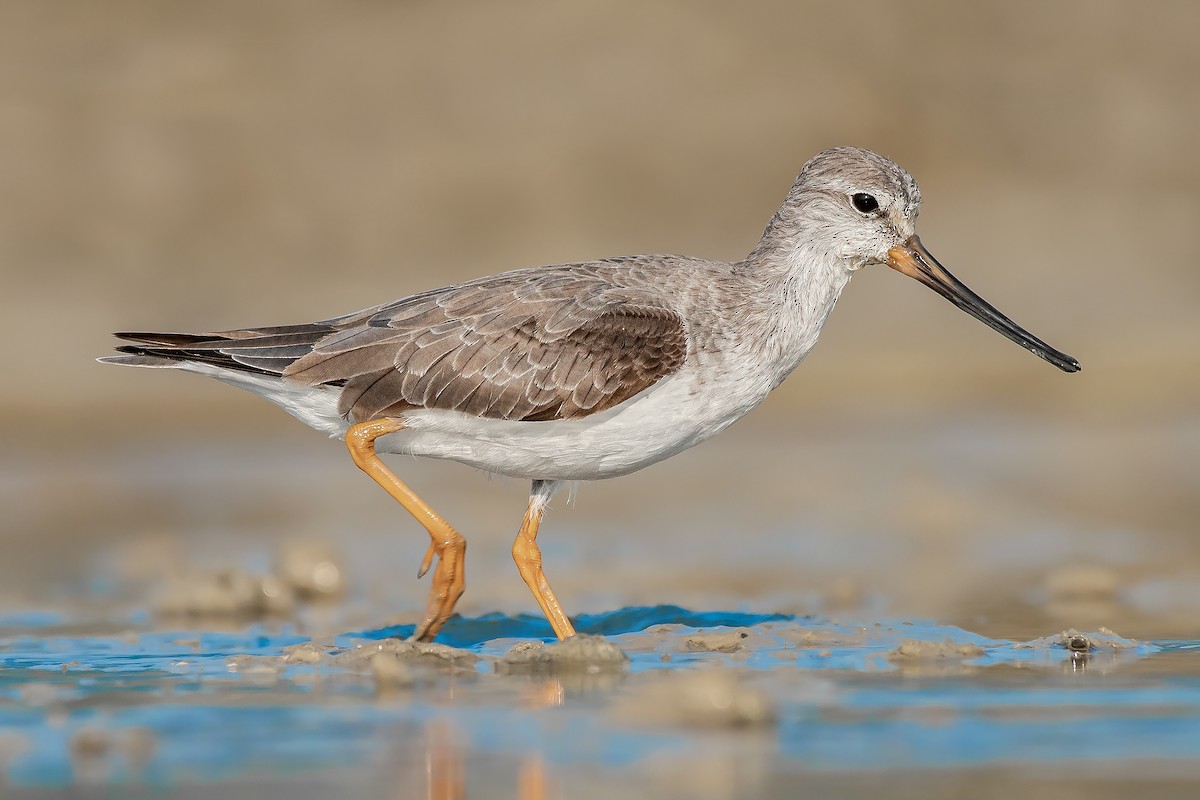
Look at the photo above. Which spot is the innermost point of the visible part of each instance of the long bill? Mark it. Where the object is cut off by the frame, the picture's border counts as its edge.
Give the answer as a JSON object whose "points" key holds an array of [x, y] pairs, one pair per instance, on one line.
{"points": [[913, 260]]}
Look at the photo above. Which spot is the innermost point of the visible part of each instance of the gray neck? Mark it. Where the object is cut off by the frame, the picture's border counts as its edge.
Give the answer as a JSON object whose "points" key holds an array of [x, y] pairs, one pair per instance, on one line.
{"points": [[800, 285]]}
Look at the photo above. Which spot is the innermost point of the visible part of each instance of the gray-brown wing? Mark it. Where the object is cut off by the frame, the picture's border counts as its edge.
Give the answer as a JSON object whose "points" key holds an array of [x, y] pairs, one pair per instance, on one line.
{"points": [[538, 345]]}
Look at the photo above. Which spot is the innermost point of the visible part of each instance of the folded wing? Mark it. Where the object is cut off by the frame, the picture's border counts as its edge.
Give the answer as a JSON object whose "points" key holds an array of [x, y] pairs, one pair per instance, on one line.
{"points": [[553, 343]]}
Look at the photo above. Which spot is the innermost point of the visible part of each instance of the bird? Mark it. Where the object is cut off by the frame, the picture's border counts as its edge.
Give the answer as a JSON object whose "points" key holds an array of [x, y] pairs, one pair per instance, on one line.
{"points": [[582, 371]]}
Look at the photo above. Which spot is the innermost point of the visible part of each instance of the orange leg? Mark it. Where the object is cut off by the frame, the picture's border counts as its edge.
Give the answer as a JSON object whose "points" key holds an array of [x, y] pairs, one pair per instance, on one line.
{"points": [[529, 560], [447, 544], [445, 764], [531, 779]]}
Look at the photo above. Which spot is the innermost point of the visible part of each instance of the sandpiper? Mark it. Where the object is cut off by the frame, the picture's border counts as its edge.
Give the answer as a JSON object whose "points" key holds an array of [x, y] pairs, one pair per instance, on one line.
{"points": [[580, 371]]}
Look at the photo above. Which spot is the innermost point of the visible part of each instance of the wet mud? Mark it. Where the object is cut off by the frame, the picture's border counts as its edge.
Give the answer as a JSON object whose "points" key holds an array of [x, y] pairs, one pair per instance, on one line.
{"points": [[926, 643], [662, 688]]}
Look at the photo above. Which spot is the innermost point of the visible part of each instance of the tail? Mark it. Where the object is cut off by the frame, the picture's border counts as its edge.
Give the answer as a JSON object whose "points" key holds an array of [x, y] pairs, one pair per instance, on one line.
{"points": [[252, 359], [262, 351]]}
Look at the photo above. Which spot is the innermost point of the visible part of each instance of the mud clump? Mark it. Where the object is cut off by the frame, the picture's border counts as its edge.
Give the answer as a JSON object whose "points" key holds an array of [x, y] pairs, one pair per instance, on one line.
{"points": [[305, 571], [427, 654], [1076, 642], [229, 593], [389, 672], [924, 658], [819, 638], [306, 653], [259, 670], [580, 653], [703, 698], [921, 650], [312, 569], [718, 641], [390, 663], [92, 747], [91, 742]]}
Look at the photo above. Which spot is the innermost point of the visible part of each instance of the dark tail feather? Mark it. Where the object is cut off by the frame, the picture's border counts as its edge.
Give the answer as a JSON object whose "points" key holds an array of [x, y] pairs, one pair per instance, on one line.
{"points": [[265, 351], [215, 357], [170, 339]]}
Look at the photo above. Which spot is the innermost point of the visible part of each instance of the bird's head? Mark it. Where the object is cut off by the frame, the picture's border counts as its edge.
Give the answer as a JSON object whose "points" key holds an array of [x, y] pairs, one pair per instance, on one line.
{"points": [[862, 209], [858, 204]]}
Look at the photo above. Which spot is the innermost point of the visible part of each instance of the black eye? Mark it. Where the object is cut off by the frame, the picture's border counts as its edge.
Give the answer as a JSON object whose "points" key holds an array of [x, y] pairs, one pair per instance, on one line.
{"points": [[864, 202]]}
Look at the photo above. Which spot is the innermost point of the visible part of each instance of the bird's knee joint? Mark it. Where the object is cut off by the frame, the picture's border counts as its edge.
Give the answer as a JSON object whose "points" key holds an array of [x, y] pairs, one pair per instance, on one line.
{"points": [[358, 441], [362, 435], [524, 558]]}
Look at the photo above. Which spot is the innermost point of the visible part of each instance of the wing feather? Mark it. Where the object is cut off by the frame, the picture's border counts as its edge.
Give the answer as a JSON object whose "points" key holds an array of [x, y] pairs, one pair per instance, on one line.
{"points": [[550, 345]]}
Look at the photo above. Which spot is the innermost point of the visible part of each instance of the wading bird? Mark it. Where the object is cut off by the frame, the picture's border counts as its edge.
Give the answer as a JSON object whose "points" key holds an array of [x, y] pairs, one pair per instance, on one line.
{"points": [[580, 371]]}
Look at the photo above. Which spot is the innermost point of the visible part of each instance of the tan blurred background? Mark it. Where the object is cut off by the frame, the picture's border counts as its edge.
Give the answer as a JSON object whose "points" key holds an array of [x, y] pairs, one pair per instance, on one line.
{"points": [[192, 166]]}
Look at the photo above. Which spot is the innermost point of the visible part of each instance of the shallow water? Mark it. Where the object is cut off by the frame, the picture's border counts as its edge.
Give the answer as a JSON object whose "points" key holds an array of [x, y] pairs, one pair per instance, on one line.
{"points": [[854, 611], [180, 709]]}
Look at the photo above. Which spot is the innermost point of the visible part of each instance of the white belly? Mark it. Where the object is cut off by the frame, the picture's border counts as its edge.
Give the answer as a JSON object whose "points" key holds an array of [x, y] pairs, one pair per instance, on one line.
{"points": [[666, 419]]}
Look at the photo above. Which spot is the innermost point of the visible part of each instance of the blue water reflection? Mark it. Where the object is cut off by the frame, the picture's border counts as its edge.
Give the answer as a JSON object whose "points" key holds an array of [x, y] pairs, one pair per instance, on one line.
{"points": [[474, 631]]}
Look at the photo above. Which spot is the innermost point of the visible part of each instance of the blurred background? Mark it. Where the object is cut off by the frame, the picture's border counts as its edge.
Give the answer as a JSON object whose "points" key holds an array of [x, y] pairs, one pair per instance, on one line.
{"points": [[213, 165]]}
